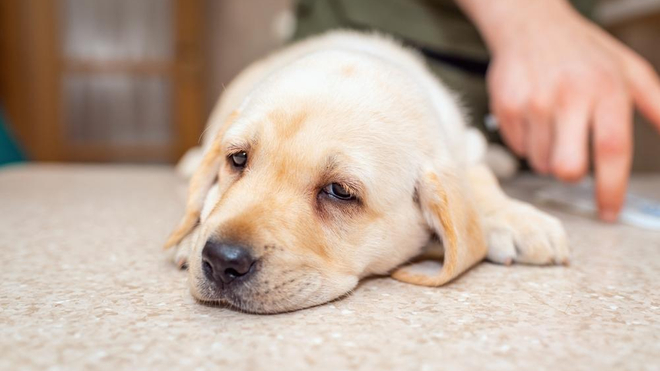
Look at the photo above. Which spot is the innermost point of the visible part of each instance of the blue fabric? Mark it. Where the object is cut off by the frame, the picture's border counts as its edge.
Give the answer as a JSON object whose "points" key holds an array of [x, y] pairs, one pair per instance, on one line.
{"points": [[9, 149]]}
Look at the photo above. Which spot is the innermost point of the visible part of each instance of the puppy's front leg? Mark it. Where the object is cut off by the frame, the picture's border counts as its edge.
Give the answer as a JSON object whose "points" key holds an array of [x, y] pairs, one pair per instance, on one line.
{"points": [[515, 231]]}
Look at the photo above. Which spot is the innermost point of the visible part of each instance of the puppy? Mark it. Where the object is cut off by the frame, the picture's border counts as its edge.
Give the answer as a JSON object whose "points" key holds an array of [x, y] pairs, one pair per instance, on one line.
{"points": [[338, 158]]}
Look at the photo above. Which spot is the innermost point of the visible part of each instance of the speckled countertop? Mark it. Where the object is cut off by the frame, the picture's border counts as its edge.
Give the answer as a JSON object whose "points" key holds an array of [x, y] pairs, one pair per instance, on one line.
{"points": [[84, 285]]}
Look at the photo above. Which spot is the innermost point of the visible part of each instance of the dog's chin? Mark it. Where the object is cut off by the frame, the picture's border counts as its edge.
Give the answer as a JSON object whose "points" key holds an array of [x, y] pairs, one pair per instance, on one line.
{"points": [[261, 298]]}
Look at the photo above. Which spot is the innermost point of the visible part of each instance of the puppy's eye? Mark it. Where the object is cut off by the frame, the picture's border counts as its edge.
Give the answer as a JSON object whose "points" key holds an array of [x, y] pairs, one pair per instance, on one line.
{"points": [[338, 191], [239, 159]]}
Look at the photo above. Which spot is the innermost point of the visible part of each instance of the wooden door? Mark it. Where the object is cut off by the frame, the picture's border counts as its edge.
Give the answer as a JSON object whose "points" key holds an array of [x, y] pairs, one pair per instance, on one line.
{"points": [[98, 80]]}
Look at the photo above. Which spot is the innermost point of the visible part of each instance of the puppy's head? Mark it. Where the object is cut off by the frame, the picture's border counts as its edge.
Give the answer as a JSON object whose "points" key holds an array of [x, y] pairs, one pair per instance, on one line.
{"points": [[312, 185]]}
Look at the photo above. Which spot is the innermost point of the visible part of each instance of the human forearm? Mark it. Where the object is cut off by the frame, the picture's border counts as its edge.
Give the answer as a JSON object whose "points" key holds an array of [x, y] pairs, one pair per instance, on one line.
{"points": [[502, 21]]}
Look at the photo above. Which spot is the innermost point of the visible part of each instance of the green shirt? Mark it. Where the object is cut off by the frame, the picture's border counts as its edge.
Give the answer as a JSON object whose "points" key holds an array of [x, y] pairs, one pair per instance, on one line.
{"points": [[438, 28]]}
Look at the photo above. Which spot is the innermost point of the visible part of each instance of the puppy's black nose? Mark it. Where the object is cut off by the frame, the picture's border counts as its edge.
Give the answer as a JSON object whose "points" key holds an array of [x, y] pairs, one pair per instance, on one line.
{"points": [[225, 262]]}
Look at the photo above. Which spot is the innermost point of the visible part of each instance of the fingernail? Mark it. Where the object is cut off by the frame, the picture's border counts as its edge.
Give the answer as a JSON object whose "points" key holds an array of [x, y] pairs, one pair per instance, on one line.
{"points": [[609, 216]]}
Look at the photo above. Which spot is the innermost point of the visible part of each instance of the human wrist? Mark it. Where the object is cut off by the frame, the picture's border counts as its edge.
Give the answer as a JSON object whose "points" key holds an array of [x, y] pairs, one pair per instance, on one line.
{"points": [[502, 22]]}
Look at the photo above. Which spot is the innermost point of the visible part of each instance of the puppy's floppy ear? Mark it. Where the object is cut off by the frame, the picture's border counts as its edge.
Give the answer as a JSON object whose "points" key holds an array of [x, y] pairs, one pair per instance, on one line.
{"points": [[200, 184], [451, 215]]}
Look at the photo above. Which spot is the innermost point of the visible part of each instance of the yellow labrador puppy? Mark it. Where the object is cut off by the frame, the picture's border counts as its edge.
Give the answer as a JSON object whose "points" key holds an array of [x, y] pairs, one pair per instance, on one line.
{"points": [[338, 158]]}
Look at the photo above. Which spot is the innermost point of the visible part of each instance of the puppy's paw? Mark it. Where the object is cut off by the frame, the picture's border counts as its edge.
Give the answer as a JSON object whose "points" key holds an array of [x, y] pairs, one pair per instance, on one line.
{"points": [[180, 258], [521, 233], [179, 253]]}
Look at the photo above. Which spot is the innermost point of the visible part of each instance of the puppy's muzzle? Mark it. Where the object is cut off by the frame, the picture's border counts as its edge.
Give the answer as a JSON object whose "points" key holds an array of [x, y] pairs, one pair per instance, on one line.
{"points": [[224, 263]]}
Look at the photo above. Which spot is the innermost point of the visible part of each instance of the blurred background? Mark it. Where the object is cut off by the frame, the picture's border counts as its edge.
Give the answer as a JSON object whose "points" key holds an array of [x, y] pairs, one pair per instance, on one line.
{"points": [[135, 80]]}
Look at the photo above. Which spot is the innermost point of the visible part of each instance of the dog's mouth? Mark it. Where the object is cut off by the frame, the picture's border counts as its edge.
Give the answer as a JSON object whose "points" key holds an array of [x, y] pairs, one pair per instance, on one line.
{"points": [[219, 294], [261, 293], [255, 303]]}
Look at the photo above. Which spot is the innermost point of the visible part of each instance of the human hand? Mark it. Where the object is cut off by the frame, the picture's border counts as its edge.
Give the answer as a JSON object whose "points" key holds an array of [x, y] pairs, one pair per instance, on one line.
{"points": [[557, 82]]}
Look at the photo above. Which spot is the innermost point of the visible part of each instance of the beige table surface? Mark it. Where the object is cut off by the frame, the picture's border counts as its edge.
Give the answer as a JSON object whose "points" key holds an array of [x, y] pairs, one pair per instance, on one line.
{"points": [[84, 285]]}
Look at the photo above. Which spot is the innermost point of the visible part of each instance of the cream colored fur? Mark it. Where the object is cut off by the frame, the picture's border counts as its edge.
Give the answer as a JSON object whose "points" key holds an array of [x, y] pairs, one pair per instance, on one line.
{"points": [[369, 110]]}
